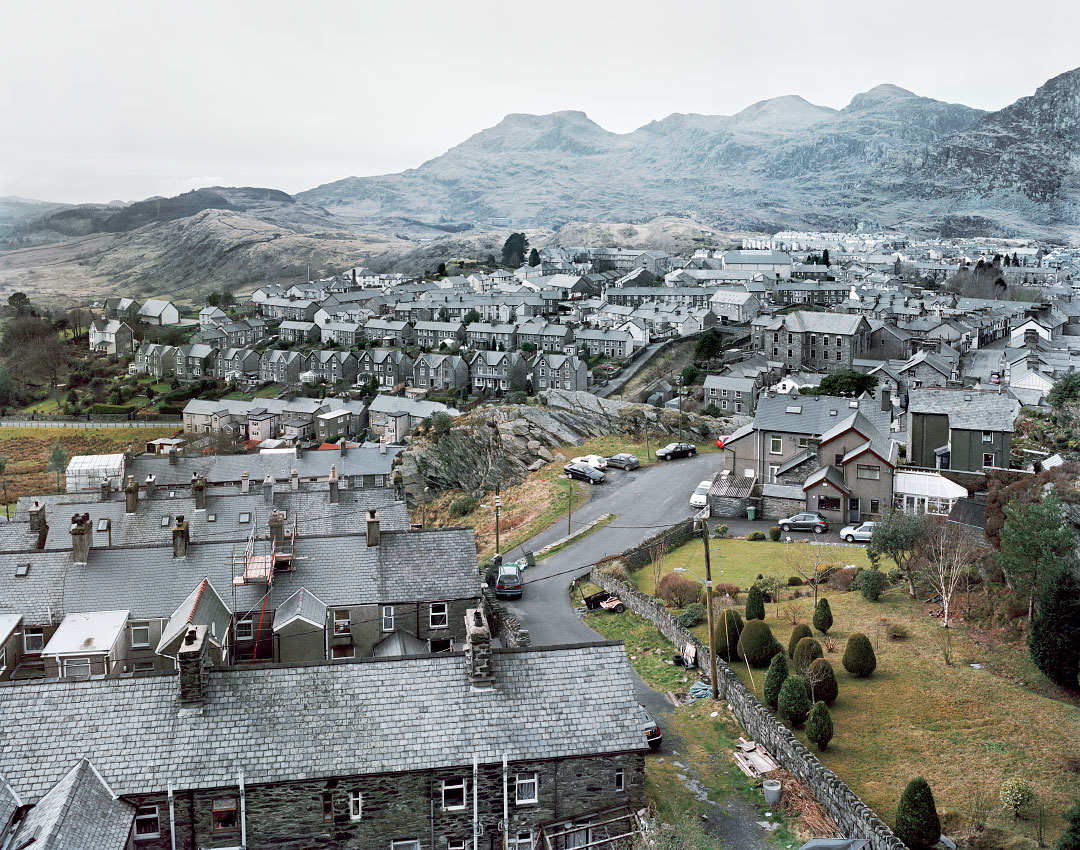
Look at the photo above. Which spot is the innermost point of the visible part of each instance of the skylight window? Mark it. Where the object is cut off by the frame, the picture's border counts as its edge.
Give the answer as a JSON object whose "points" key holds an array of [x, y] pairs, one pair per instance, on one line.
{"points": [[245, 517], [795, 408], [165, 521], [103, 525], [211, 517], [22, 570]]}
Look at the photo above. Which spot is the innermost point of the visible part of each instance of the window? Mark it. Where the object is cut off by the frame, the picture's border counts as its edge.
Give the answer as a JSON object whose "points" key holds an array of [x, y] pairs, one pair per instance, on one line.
{"points": [[165, 521], [103, 525], [439, 617], [245, 628], [825, 340], [789, 339], [776, 337], [33, 640], [839, 356], [813, 339], [388, 618], [804, 442], [76, 668], [342, 625], [838, 459], [211, 517], [774, 469], [828, 503], [813, 353], [223, 815], [620, 780], [988, 436], [455, 844], [343, 651], [3, 659], [328, 806], [142, 667], [875, 506], [871, 472], [775, 351], [147, 824], [140, 635], [527, 788], [245, 518], [775, 445], [789, 354], [453, 793], [522, 841], [988, 459]]}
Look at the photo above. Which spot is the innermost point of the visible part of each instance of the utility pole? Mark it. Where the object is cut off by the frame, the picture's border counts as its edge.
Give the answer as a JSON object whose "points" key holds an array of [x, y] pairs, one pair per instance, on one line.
{"points": [[648, 455], [498, 505], [709, 610], [569, 502], [678, 383]]}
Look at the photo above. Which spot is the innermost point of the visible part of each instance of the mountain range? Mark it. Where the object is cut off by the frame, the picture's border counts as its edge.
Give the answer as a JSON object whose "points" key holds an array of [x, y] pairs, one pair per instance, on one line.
{"points": [[889, 157]]}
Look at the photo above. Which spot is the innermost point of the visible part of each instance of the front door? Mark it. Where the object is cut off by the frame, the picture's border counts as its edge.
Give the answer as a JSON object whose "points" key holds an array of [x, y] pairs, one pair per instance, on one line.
{"points": [[853, 509]]}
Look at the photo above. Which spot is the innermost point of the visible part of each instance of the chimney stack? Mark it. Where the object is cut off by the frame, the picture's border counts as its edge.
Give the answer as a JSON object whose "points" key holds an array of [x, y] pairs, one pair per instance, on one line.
{"points": [[277, 528], [81, 537], [106, 488], [42, 534], [181, 536], [173, 456], [333, 486], [245, 482], [373, 533], [37, 515], [131, 495], [478, 650], [886, 400], [198, 490], [151, 480], [294, 479], [193, 662], [268, 489]]}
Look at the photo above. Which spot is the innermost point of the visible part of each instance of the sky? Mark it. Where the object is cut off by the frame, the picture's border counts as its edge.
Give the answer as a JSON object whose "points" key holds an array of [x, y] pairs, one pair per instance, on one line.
{"points": [[113, 100]]}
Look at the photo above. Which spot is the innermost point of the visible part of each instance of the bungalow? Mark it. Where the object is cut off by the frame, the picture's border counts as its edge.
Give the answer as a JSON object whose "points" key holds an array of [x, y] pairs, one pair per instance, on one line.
{"points": [[158, 312]]}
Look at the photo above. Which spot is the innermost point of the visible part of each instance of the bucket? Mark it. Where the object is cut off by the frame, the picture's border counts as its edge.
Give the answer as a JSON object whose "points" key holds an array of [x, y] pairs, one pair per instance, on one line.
{"points": [[771, 787]]}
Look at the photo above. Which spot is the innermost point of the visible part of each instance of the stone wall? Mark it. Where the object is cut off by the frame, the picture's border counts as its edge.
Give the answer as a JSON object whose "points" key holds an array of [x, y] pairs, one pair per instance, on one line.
{"points": [[854, 818], [671, 538], [775, 507]]}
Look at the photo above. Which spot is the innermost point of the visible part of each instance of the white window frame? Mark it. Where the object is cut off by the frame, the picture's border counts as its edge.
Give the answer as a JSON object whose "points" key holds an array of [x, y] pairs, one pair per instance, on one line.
{"points": [[439, 620], [3, 659], [455, 844], [520, 841], [144, 813], [774, 471], [248, 632], [868, 472], [988, 436], [356, 805], [776, 445], [342, 624], [523, 781], [142, 625], [67, 663], [387, 618], [620, 780], [405, 844], [33, 633], [989, 455], [454, 785]]}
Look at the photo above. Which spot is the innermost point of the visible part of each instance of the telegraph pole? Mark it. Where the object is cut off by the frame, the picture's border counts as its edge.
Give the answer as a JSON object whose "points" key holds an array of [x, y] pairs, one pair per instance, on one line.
{"points": [[498, 505], [709, 609], [569, 503]]}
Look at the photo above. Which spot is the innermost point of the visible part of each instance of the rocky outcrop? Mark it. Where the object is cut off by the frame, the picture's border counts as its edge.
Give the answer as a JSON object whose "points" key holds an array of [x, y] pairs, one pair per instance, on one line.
{"points": [[502, 444]]}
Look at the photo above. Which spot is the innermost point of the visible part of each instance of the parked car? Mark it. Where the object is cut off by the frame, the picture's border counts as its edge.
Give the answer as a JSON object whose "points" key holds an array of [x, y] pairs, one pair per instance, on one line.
{"points": [[674, 450], [595, 461], [508, 581], [700, 497], [624, 460], [583, 472], [806, 521], [862, 532], [652, 731]]}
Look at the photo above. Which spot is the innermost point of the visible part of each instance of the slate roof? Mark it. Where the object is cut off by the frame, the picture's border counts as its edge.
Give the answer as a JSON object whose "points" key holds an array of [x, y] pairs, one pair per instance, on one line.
{"points": [[302, 605], [730, 382], [557, 702], [830, 474], [202, 607], [969, 410], [968, 512], [398, 644], [817, 414]]}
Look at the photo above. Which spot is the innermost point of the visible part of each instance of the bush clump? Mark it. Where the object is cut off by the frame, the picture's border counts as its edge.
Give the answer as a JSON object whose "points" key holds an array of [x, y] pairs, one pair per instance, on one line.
{"points": [[1016, 796], [794, 701], [774, 533], [823, 616], [917, 823], [872, 585], [755, 604], [795, 581], [679, 591], [859, 659], [728, 626], [756, 535], [615, 569], [757, 644], [725, 588], [807, 651], [822, 681], [819, 726], [797, 634], [775, 678], [694, 614], [463, 505]]}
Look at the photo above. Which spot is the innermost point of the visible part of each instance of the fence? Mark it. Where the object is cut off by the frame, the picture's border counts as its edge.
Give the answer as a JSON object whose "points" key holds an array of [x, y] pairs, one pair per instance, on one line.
{"points": [[102, 421]]}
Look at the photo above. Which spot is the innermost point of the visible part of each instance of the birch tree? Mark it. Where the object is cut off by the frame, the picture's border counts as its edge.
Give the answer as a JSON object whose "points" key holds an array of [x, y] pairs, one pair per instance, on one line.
{"points": [[948, 559]]}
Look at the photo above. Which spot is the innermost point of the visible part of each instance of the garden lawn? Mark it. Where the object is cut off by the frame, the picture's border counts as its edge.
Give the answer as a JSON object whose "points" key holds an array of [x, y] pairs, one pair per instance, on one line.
{"points": [[916, 716], [269, 392]]}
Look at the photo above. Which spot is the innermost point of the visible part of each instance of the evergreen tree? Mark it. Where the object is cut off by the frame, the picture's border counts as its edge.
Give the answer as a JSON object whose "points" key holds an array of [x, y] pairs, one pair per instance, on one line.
{"points": [[534, 258], [807, 651], [1065, 390], [917, 823], [794, 701], [58, 462], [755, 604], [797, 634], [1070, 838], [825, 258], [819, 726], [859, 659], [1054, 639], [728, 627], [441, 270], [515, 249], [774, 679], [823, 616], [1033, 539]]}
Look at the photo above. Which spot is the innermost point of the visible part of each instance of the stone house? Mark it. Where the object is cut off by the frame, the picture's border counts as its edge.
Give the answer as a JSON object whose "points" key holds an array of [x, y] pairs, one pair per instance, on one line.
{"points": [[820, 342], [155, 359], [347, 421], [734, 306], [291, 332], [389, 333], [389, 367], [429, 334], [486, 335], [544, 335], [440, 372], [236, 363], [195, 361], [498, 372], [557, 371], [295, 309], [280, 367], [124, 309], [732, 394], [342, 332], [392, 418], [111, 336], [888, 342], [333, 366], [617, 345], [211, 317], [960, 429]]}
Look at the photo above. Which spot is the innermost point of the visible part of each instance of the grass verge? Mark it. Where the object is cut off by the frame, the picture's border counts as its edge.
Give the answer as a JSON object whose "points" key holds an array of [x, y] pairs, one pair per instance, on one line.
{"points": [[606, 520]]}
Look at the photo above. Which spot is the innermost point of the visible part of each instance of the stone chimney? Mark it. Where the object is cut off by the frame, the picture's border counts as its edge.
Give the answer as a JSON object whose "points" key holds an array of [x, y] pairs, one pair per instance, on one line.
{"points": [[42, 534], [198, 490], [373, 532], [478, 650], [81, 537], [268, 489], [151, 481], [37, 515], [886, 400], [333, 486], [245, 482], [294, 480], [277, 528], [173, 456], [181, 536], [106, 488], [131, 495], [193, 662]]}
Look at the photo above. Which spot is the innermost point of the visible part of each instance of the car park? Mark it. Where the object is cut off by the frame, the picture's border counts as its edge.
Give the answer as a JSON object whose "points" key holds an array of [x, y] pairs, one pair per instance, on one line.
{"points": [[860, 532], [805, 521], [595, 461], [624, 460], [508, 581], [583, 472], [700, 497], [652, 732], [674, 450]]}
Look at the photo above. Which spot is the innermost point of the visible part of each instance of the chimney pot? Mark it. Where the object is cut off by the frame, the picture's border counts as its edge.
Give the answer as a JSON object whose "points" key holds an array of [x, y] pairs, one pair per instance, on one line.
{"points": [[151, 480], [131, 495], [81, 537], [106, 488], [181, 536], [37, 515], [277, 527], [268, 489], [198, 490], [373, 530], [245, 482]]}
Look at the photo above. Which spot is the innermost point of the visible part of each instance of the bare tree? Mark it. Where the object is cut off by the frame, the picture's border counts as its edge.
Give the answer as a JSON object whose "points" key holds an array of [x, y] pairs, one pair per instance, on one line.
{"points": [[813, 677], [808, 560], [657, 552], [947, 559]]}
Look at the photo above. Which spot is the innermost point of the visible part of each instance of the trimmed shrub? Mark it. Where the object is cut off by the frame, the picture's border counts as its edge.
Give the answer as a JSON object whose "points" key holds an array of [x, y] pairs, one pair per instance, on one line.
{"points": [[774, 533], [872, 585], [823, 688], [694, 614], [756, 535], [679, 591], [795, 581], [729, 626], [755, 604], [807, 651], [797, 634], [774, 679], [819, 728], [463, 505], [917, 823], [823, 616], [859, 659], [1016, 796], [794, 701], [757, 644]]}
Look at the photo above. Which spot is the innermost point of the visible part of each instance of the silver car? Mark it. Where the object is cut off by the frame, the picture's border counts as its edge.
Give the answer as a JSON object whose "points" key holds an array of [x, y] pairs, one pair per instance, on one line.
{"points": [[624, 460], [862, 532]]}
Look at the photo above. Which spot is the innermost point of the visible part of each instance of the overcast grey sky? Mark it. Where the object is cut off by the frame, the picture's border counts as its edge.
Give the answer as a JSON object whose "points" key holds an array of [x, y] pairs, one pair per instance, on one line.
{"points": [[123, 100]]}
